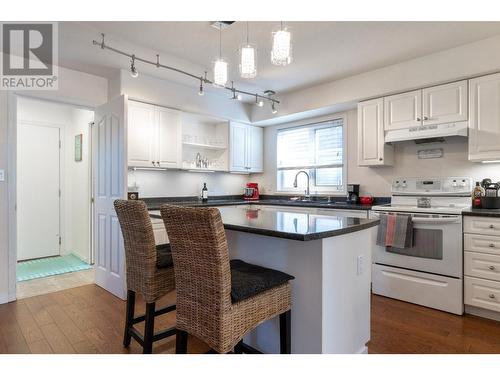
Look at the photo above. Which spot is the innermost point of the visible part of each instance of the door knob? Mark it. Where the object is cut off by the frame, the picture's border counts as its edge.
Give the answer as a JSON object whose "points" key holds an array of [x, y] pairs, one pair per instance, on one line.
{"points": [[491, 267], [492, 226], [492, 296]]}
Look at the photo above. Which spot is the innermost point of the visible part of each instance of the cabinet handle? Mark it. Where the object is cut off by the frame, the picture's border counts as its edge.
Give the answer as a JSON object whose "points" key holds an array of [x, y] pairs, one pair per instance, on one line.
{"points": [[380, 159], [492, 296], [491, 267], [419, 119], [492, 226], [153, 163], [426, 118], [492, 245]]}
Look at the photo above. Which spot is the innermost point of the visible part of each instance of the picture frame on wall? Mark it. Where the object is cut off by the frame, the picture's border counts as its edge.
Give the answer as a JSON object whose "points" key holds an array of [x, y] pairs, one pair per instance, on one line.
{"points": [[78, 147]]}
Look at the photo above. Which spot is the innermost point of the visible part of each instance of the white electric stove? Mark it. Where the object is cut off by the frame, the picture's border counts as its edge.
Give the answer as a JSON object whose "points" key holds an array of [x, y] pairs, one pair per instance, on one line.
{"points": [[429, 273]]}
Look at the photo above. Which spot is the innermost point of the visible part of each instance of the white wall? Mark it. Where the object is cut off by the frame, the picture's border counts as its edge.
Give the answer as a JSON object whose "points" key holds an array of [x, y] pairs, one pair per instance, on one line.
{"points": [[478, 58], [74, 87], [75, 181], [377, 181], [185, 98]]}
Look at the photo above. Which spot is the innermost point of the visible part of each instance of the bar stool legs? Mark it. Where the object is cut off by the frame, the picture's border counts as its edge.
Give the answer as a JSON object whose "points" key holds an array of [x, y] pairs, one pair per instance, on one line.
{"points": [[149, 327], [285, 332], [181, 342], [129, 317]]}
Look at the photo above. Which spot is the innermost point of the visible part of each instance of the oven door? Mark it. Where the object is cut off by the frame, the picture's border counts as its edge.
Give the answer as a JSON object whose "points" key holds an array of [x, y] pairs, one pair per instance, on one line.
{"points": [[437, 246]]}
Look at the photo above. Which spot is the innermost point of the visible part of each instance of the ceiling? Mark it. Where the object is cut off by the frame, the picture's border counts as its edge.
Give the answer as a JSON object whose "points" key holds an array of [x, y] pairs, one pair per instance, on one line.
{"points": [[322, 51]]}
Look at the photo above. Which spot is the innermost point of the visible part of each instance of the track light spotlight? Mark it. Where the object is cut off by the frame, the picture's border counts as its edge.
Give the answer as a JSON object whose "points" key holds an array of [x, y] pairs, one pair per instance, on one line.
{"points": [[133, 70], [274, 110], [258, 102], [201, 92]]}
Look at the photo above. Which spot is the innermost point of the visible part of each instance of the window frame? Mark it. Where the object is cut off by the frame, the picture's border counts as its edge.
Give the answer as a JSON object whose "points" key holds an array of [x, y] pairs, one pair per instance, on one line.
{"points": [[324, 122]]}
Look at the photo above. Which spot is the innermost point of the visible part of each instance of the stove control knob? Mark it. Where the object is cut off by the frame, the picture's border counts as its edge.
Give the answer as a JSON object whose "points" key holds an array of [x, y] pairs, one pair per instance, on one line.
{"points": [[404, 184], [396, 184], [454, 184]]}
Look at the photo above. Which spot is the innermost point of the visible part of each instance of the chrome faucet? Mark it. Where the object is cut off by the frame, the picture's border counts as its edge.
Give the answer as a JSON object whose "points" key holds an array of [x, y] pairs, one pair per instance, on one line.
{"points": [[308, 195]]}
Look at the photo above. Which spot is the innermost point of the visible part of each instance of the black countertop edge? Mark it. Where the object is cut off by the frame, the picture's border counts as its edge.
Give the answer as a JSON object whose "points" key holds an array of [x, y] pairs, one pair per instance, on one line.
{"points": [[271, 200], [368, 223], [481, 212], [304, 237]]}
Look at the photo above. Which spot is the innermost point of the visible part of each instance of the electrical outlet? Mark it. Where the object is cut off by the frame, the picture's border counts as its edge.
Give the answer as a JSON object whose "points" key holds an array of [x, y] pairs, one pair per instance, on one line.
{"points": [[360, 265], [2, 175]]}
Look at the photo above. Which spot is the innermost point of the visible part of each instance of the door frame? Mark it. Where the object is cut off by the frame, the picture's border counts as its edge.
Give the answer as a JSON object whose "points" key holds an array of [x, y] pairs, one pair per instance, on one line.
{"points": [[12, 182]]}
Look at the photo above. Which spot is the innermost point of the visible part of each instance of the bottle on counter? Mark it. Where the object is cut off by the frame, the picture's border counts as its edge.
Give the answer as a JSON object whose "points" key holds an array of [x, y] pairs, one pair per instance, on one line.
{"points": [[477, 193], [204, 193]]}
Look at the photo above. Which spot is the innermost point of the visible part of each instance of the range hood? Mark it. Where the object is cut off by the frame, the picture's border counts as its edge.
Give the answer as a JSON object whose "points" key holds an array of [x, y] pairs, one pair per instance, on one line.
{"points": [[459, 129]]}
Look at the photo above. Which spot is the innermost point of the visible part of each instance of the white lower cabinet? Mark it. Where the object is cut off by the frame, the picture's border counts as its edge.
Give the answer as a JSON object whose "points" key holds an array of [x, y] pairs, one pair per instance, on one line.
{"points": [[482, 265]]}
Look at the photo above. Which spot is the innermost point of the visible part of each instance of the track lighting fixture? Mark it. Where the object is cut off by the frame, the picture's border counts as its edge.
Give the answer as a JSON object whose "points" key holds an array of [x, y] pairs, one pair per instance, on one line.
{"points": [[201, 92], [258, 102], [274, 110], [133, 70], [236, 93]]}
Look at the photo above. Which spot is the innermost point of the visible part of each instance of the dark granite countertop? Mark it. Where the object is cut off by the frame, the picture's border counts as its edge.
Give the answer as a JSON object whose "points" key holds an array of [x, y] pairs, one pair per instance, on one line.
{"points": [[481, 212], [289, 225], [338, 203]]}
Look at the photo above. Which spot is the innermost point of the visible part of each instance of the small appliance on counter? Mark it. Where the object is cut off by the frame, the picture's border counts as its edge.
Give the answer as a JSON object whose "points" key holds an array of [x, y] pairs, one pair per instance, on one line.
{"points": [[133, 195], [251, 192], [352, 193], [486, 194], [366, 200]]}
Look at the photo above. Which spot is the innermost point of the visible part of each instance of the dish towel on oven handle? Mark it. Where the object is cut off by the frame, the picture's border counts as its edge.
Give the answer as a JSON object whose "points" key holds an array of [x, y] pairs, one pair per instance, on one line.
{"points": [[395, 230]]}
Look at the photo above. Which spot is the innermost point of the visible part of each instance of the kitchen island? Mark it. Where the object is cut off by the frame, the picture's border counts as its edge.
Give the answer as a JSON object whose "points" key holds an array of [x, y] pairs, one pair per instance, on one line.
{"points": [[330, 258]]}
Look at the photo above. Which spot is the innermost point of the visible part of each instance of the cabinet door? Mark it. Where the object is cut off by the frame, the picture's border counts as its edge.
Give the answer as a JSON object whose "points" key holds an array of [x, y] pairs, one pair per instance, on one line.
{"points": [[403, 111], [445, 103], [141, 129], [484, 122], [169, 152], [255, 147], [371, 147], [238, 148]]}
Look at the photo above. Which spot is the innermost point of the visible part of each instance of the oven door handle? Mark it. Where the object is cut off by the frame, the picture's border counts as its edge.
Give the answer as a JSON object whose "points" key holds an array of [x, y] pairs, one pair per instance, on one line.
{"points": [[435, 220]]}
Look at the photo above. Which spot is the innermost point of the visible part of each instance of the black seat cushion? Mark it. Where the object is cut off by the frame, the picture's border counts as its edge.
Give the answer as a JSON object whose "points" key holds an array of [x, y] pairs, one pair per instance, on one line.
{"points": [[164, 256], [247, 280]]}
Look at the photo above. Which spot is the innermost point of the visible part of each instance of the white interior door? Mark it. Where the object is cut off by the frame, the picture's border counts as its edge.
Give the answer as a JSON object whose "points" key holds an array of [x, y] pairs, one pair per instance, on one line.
{"points": [[110, 172], [38, 184]]}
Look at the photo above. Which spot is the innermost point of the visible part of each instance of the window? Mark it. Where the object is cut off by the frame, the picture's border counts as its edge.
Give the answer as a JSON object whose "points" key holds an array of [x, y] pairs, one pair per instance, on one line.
{"points": [[317, 149]]}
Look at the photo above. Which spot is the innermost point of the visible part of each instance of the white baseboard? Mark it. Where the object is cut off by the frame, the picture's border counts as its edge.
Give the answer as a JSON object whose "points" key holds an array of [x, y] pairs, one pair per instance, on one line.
{"points": [[483, 313], [4, 298], [363, 350]]}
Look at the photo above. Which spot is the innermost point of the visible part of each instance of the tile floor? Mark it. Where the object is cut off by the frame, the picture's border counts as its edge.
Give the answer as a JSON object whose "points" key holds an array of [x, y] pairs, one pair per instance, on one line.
{"points": [[55, 283]]}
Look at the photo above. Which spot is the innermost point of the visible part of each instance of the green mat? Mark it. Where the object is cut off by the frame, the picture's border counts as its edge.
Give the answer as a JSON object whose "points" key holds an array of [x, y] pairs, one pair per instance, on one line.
{"points": [[36, 268]]}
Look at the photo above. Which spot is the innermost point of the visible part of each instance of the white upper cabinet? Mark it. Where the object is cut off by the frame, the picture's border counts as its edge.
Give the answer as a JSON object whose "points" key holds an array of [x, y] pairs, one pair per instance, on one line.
{"points": [[141, 130], [154, 136], [403, 111], [169, 143], [372, 151], [484, 123], [256, 148], [445, 103], [246, 148]]}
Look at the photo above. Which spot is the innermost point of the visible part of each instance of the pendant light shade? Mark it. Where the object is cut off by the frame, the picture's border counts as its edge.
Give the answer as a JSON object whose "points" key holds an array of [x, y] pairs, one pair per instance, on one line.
{"points": [[220, 66], [248, 59], [281, 54], [220, 72]]}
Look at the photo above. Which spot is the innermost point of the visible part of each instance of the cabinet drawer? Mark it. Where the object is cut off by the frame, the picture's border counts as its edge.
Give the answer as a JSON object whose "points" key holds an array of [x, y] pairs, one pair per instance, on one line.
{"points": [[481, 265], [482, 244], [482, 225], [482, 293]]}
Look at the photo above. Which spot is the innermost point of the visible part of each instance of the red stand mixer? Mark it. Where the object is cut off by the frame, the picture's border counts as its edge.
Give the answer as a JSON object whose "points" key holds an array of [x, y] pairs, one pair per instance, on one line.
{"points": [[251, 192]]}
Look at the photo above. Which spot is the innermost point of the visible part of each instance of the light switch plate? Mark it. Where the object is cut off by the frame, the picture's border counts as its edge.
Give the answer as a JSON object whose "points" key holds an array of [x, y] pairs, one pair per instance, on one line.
{"points": [[2, 175]]}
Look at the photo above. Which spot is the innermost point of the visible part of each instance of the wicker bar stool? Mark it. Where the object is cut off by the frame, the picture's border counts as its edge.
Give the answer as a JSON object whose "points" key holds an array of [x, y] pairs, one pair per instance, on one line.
{"points": [[219, 300], [150, 272]]}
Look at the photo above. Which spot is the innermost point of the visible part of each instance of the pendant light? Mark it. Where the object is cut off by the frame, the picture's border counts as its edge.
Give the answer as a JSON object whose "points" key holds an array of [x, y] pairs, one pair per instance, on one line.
{"points": [[281, 54], [248, 60], [220, 66]]}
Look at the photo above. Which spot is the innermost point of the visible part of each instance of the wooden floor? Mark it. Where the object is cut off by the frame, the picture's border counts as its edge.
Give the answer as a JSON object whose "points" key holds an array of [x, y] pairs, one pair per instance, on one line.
{"points": [[88, 319]]}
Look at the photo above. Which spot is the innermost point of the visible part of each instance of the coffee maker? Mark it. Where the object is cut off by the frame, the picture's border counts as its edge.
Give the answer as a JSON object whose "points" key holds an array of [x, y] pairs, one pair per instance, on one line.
{"points": [[251, 192], [352, 193]]}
